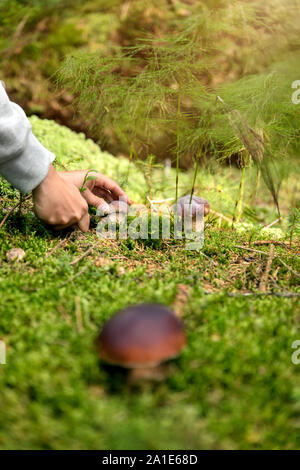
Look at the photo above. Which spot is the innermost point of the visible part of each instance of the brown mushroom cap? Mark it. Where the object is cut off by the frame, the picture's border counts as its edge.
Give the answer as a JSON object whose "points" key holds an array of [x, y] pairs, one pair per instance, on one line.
{"points": [[186, 206], [141, 335]]}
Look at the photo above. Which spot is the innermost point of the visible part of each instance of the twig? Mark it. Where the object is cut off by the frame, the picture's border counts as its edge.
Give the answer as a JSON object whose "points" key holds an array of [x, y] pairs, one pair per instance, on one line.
{"points": [[20, 27], [18, 32], [288, 267], [222, 216], [266, 254], [274, 294], [159, 201], [271, 242], [263, 285], [273, 223], [209, 259], [250, 249], [58, 245], [79, 258], [64, 314], [259, 294], [73, 277], [12, 210]]}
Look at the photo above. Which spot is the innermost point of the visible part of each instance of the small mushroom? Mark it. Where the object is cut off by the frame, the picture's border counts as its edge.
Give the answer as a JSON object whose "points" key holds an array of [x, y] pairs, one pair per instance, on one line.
{"points": [[183, 206], [119, 206], [135, 210], [113, 213], [142, 336], [15, 254]]}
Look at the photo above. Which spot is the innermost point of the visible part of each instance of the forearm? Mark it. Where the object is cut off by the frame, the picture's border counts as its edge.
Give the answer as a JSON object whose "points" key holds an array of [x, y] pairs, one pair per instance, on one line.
{"points": [[24, 162]]}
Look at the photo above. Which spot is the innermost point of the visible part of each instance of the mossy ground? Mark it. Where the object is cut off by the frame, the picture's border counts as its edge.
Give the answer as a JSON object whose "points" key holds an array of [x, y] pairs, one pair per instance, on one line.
{"points": [[234, 385]]}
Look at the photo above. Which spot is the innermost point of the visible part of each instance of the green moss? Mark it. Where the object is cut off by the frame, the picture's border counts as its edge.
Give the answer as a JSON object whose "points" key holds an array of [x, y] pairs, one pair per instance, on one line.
{"points": [[234, 385]]}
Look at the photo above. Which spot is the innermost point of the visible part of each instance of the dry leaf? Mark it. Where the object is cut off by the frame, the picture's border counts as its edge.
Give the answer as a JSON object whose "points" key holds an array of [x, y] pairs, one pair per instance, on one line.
{"points": [[102, 261]]}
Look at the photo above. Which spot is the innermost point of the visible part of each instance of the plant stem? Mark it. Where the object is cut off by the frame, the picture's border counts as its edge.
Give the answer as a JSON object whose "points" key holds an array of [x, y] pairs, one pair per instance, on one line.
{"points": [[293, 227], [239, 201], [149, 175], [255, 191], [177, 149], [87, 178], [195, 174], [242, 186], [194, 180]]}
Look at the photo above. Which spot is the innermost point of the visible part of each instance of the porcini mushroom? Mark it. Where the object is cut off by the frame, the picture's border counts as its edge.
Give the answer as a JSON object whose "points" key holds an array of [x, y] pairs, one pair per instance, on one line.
{"points": [[185, 205], [119, 206], [141, 336]]}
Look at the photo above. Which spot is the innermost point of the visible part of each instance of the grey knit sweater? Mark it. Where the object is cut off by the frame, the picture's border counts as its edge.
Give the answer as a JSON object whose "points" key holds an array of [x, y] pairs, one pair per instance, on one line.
{"points": [[24, 162]]}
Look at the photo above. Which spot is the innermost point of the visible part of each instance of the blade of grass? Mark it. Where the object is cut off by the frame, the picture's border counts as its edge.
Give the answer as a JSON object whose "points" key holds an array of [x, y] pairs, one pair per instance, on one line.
{"points": [[177, 147]]}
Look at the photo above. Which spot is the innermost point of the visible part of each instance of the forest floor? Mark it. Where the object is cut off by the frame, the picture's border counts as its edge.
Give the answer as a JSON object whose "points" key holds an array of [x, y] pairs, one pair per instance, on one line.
{"points": [[234, 386]]}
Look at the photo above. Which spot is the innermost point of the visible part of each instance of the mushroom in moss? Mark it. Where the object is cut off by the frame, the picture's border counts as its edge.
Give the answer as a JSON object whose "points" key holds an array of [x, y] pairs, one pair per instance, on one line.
{"points": [[184, 205], [119, 206], [141, 336]]}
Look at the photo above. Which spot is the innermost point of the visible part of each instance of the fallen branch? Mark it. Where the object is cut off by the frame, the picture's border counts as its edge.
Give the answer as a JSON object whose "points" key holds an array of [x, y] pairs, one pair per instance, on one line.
{"points": [[221, 216], [58, 245], [288, 267], [79, 258], [250, 249], [266, 254], [272, 294], [273, 223], [271, 242], [209, 259], [13, 209], [159, 201], [73, 277], [259, 294], [263, 285]]}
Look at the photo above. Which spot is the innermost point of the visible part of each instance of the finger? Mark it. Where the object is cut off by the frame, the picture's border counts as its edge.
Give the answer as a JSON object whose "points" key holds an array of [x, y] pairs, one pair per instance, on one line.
{"points": [[113, 187], [63, 226], [96, 201], [103, 193], [84, 223]]}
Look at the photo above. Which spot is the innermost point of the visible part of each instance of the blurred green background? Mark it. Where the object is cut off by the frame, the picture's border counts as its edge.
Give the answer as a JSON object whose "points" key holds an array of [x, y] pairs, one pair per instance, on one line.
{"points": [[246, 50]]}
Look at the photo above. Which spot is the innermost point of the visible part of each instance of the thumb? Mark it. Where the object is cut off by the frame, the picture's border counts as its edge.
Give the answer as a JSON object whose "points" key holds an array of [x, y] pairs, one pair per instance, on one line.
{"points": [[96, 201], [84, 223]]}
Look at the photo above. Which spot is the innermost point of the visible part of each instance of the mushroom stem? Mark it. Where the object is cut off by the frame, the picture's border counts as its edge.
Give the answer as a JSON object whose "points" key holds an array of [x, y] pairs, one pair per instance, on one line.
{"points": [[151, 374]]}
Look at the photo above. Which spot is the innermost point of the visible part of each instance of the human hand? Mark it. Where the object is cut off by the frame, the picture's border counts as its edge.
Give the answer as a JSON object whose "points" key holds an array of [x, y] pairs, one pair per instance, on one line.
{"points": [[59, 203], [97, 191]]}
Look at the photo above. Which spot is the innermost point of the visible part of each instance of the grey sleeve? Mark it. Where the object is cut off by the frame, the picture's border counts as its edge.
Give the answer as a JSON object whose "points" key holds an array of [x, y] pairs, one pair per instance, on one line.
{"points": [[24, 162]]}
